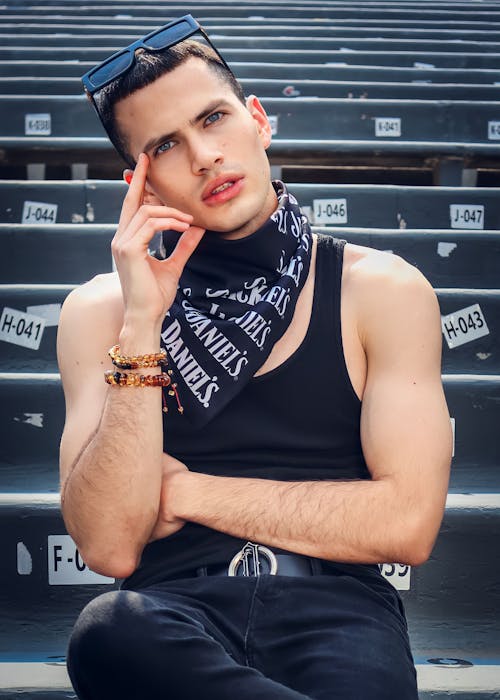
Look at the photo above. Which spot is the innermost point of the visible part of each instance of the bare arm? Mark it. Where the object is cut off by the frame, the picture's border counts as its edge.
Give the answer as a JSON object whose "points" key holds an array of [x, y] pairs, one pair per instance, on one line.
{"points": [[112, 445], [406, 439]]}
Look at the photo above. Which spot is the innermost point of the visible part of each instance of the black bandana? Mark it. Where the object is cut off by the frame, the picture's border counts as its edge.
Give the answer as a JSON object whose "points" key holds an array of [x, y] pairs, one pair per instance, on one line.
{"points": [[235, 299]]}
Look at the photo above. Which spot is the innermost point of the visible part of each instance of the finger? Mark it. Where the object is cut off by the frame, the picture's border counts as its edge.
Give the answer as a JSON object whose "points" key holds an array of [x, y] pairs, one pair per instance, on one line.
{"points": [[135, 193], [138, 244], [151, 211], [185, 247]]}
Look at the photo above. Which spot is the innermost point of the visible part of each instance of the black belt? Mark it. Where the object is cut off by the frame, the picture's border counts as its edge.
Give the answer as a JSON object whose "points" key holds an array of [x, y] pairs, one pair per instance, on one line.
{"points": [[256, 560]]}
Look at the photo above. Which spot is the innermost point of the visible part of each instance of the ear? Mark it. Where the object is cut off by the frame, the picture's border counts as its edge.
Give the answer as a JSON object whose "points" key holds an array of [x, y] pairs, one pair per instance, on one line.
{"points": [[149, 196], [259, 115]]}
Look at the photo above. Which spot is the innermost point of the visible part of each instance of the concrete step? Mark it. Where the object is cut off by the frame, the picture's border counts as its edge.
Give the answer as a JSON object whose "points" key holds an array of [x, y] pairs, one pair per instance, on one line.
{"points": [[32, 419], [355, 206], [292, 88], [73, 254], [289, 70], [436, 682], [470, 336], [437, 121], [451, 603]]}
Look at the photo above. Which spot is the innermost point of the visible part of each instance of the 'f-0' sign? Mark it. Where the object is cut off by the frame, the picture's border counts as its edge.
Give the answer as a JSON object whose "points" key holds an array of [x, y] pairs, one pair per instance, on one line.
{"points": [[66, 566]]}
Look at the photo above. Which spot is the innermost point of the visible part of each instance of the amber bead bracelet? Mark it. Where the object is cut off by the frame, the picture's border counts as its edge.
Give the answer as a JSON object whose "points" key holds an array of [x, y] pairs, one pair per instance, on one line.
{"points": [[156, 359], [124, 379]]}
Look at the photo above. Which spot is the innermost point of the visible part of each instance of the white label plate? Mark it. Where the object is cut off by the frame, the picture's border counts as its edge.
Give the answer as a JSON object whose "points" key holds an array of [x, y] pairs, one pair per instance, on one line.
{"points": [[330, 211], [66, 567], [494, 131], [39, 213], [273, 121], [397, 574], [50, 312], [464, 325], [19, 328], [37, 124], [467, 216], [388, 126]]}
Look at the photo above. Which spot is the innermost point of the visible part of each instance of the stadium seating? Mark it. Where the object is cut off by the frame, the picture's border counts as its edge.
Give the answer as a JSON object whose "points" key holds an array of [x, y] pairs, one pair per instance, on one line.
{"points": [[410, 88], [444, 255], [360, 131], [363, 206], [272, 87], [293, 71], [44, 301]]}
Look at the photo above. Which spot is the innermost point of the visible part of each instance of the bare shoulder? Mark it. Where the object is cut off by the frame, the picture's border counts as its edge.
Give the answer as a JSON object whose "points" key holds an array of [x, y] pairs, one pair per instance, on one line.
{"points": [[99, 298], [91, 317], [365, 266], [100, 291], [388, 295], [380, 274]]}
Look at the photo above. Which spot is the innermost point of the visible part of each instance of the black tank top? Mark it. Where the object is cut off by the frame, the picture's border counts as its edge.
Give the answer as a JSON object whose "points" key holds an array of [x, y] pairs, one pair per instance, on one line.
{"points": [[298, 422]]}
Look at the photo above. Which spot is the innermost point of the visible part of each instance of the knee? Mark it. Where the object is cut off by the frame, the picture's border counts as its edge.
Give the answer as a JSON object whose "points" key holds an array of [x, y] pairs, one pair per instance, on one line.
{"points": [[106, 629]]}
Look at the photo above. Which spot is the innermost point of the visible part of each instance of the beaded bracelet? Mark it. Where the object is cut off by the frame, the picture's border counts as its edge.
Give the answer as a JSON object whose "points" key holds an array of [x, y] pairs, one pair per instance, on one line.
{"points": [[163, 380], [156, 359], [123, 379]]}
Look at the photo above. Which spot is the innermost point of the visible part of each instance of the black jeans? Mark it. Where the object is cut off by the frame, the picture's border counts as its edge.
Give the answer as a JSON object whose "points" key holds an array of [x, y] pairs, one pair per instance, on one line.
{"points": [[267, 638]]}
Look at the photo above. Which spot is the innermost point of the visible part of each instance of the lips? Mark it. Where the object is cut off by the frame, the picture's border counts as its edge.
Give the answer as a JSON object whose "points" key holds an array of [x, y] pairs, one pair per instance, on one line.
{"points": [[222, 188]]}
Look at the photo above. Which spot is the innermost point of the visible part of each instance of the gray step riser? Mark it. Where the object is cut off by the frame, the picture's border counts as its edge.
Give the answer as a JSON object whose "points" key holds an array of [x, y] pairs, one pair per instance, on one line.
{"points": [[299, 10], [73, 254], [72, 116], [446, 600], [480, 355], [247, 40], [275, 88], [344, 24], [288, 70], [30, 438], [381, 58], [366, 206], [30, 26]]}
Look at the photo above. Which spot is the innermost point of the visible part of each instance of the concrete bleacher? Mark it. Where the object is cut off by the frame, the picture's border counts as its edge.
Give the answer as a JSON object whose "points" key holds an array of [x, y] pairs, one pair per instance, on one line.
{"points": [[364, 206], [336, 65], [482, 356], [294, 71], [410, 131], [444, 255], [106, 42], [451, 59], [272, 87]]}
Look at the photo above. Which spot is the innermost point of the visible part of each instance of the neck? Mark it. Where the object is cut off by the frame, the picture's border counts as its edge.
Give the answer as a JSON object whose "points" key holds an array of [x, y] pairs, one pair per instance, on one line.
{"points": [[270, 206]]}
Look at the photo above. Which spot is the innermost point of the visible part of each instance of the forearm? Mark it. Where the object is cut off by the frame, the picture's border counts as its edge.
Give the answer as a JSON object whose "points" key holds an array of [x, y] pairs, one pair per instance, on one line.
{"points": [[355, 521], [110, 499]]}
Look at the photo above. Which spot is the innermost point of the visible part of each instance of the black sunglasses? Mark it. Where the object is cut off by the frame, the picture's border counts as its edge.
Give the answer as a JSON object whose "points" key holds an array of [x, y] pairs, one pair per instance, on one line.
{"points": [[159, 40]]}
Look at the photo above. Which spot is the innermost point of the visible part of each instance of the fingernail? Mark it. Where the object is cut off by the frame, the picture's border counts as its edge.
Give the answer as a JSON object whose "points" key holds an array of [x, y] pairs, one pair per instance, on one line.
{"points": [[128, 178]]}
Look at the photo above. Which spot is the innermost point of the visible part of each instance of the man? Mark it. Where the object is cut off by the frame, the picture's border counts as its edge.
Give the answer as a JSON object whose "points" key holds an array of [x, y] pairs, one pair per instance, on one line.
{"points": [[312, 439]]}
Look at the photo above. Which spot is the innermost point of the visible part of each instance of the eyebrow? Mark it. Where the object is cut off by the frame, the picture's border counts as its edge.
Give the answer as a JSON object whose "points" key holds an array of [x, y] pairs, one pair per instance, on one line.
{"points": [[211, 107]]}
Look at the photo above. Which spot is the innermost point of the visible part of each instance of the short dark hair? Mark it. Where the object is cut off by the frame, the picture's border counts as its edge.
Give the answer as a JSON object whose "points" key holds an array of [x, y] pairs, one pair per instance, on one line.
{"points": [[148, 67]]}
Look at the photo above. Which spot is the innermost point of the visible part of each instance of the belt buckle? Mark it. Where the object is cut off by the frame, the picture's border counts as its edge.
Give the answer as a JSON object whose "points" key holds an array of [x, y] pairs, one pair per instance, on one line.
{"points": [[252, 551]]}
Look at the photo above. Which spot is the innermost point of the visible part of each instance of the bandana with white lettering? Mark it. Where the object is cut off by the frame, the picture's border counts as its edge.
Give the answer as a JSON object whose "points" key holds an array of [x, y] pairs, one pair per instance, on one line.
{"points": [[235, 299]]}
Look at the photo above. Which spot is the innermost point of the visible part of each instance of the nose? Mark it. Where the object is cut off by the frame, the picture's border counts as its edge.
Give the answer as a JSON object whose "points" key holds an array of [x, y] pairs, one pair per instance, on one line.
{"points": [[205, 154]]}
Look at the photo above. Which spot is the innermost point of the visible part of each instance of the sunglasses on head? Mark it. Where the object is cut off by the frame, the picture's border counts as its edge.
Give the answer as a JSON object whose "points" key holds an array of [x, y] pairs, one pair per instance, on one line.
{"points": [[159, 40]]}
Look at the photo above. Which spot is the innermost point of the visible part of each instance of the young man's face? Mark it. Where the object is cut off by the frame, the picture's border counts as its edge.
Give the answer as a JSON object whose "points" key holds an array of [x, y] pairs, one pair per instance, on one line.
{"points": [[206, 149]]}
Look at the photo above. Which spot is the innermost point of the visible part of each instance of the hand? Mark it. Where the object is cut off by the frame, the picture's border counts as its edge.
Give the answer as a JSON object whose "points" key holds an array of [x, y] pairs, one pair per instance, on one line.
{"points": [[149, 285], [168, 522]]}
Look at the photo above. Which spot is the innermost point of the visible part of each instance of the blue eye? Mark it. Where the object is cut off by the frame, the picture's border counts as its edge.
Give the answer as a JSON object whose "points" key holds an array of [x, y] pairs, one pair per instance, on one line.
{"points": [[215, 117], [167, 146]]}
